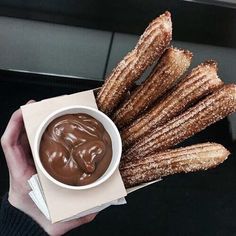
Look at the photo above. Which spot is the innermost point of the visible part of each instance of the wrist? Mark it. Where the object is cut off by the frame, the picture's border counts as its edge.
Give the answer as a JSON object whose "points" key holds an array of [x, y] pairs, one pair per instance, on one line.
{"points": [[18, 200], [24, 203], [15, 221]]}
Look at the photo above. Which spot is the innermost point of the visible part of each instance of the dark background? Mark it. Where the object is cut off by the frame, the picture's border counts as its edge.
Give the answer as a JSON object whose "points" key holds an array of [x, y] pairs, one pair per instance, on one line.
{"points": [[194, 22], [190, 204]]}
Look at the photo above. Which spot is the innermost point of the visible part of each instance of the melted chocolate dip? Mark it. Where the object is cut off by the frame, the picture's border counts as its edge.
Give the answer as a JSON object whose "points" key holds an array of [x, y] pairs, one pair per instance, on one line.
{"points": [[75, 149]]}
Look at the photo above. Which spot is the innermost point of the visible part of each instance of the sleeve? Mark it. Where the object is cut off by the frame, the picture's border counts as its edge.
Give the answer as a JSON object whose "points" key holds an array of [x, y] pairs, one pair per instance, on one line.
{"points": [[15, 222]]}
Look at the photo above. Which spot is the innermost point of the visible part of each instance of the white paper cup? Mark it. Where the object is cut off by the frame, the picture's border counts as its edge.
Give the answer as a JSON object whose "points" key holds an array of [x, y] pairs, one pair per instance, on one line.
{"points": [[108, 125]]}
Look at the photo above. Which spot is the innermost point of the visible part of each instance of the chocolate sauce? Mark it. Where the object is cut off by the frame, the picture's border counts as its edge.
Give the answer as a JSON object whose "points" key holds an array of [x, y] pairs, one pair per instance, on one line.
{"points": [[75, 149]]}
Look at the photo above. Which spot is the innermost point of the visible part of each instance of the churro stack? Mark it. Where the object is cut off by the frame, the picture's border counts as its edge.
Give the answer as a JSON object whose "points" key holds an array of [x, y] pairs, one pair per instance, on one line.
{"points": [[171, 105]]}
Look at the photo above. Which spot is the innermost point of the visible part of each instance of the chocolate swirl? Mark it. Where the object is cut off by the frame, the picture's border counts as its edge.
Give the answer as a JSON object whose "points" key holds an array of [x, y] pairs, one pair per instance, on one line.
{"points": [[75, 149]]}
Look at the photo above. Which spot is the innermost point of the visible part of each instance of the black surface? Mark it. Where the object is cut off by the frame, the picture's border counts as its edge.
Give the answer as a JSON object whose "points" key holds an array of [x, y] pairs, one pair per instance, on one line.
{"points": [[193, 22], [188, 204]]}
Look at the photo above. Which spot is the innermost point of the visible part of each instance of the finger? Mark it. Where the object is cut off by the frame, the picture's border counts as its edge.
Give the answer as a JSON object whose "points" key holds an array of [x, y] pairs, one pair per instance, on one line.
{"points": [[81, 221], [25, 143], [13, 147], [9, 141], [87, 219], [27, 150], [13, 130], [24, 137], [30, 101], [63, 227]]}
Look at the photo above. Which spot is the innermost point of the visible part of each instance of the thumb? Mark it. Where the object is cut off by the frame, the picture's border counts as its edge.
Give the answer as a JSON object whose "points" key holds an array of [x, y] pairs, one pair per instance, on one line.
{"points": [[64, 227], [81, 221], [10, 141]]}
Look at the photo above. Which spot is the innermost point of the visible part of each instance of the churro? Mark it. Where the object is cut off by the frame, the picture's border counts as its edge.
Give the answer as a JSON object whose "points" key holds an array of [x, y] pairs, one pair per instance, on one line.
{"points": [[201, 81], [149, 48], [173, 63], [188, 159], [206, 112]]}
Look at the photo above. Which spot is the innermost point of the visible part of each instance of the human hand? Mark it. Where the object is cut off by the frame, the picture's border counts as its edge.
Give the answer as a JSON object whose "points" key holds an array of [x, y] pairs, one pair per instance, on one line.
{"points": [[21, 167]]}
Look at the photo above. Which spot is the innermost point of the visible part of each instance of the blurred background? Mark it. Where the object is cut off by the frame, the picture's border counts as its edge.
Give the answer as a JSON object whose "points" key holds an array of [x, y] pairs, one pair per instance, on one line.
{"points": [[50, 48]]}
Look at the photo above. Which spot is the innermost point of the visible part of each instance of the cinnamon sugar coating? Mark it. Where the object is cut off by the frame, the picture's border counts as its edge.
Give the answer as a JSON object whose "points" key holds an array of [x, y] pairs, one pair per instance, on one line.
{"points": [[206, 112], [202, 80], [173, 63], [149, 48], [188, 159]]}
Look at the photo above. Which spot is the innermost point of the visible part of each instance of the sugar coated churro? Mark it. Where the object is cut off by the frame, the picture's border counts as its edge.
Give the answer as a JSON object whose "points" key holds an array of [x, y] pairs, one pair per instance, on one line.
{"points": [[164, 75], [206, 112], [201, 81], [187, 159], [149, 48]]}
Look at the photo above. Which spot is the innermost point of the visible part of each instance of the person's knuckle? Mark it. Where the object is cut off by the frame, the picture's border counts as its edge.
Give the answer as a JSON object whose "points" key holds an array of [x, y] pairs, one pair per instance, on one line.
{"points": [[4, 141]]}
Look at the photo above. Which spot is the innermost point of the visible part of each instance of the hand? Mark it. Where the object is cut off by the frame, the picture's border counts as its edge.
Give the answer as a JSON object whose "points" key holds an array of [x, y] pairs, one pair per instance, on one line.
{"points": [[21, 167]]}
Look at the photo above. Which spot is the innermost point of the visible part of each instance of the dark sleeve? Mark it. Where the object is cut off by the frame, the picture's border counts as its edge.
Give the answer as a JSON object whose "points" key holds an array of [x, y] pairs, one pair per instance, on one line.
{"points": [[15, 222]]}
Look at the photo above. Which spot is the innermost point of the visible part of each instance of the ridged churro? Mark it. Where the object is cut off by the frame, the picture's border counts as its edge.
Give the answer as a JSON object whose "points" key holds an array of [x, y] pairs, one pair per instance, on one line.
{"points": [[201, 81], [206, 112], [149, 48], [173, 63], [188, 159]]}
